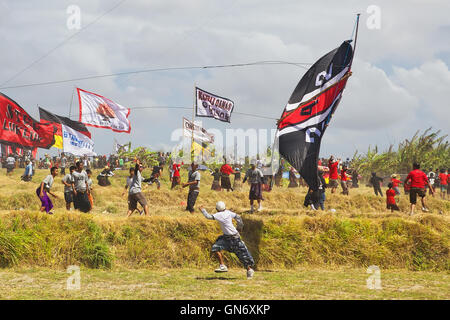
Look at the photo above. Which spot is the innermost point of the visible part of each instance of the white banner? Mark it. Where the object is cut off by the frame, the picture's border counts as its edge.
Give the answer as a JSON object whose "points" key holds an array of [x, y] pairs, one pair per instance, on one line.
{"points": [[212, 106], [200, 134], [100, 112], [76, 143]]}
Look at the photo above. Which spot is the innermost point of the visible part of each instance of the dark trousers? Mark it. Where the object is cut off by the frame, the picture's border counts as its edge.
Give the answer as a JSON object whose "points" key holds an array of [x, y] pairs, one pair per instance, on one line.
{"points": [[81, 202], [377, 189], [192, 197]]}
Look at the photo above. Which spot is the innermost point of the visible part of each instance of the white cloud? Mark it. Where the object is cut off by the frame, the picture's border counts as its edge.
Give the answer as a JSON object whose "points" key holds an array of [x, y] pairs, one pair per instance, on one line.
{"points": [[398, 85]]}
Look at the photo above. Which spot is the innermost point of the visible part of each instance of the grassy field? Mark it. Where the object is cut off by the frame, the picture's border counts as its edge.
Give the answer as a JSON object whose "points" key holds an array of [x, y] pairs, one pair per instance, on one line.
{"points": [[308, 283], [300, 253]]}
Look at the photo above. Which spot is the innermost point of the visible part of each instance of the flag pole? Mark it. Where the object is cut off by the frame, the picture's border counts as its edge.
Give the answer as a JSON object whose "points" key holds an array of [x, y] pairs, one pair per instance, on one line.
{"points": [[193, 119], [71, 101]]}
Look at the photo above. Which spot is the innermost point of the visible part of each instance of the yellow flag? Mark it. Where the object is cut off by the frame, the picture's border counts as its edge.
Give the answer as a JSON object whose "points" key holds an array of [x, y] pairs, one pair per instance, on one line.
{"points": [[58, 142]]}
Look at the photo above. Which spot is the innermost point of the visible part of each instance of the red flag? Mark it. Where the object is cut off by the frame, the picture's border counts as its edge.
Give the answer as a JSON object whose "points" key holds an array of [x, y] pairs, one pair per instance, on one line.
{"points": [[20, 128]]}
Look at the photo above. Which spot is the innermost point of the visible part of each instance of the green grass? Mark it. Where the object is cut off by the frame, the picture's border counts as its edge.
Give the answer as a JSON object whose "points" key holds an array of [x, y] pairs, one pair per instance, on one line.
{"points": [[303, 283]]}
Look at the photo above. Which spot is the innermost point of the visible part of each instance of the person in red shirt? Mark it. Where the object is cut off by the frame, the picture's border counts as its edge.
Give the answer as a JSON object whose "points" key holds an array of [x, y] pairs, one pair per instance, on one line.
{"points": [[418, 180], [344, 179], [390, 198], [176, 179], [225, 181], [334, 177], [395, 184], [443, 182]]}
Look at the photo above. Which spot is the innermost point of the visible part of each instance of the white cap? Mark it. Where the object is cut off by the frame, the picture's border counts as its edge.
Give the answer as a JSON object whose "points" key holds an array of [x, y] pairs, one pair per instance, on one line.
{"points": [[220, 206]]}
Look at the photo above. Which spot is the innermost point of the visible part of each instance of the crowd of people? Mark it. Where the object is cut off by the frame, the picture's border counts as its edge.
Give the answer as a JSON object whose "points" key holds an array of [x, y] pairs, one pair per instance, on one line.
{"points": [[332, 174]]}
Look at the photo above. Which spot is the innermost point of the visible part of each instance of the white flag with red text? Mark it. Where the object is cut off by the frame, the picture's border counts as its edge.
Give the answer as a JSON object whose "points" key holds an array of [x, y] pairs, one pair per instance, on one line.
{"points": [[100, 112]]}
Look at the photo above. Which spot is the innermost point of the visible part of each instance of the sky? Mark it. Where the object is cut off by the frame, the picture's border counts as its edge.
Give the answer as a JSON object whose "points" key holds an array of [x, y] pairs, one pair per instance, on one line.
{"points": [[399, 84]]}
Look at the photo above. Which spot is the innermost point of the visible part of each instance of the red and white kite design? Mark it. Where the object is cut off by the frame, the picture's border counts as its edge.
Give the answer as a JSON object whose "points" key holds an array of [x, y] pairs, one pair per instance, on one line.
{"points": [[100, 112]]}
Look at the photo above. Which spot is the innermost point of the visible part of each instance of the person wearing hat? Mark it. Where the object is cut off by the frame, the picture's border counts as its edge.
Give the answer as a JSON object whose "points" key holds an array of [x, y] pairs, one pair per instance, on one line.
{"points": [[135, 194], [395, 183], [230, 240], [194, 187]]}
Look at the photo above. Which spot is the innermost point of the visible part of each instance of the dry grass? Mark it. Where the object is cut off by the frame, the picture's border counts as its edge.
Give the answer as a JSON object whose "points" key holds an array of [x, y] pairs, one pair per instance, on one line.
{"points": [[169, 284], [285, 235]]}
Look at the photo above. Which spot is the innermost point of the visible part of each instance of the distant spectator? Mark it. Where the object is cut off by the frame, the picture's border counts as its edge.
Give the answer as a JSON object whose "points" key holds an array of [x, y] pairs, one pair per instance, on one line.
{"points": [[376, 181]]}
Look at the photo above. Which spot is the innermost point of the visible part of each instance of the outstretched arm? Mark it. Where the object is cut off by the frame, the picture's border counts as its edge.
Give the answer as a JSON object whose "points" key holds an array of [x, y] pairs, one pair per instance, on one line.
{"points": [[206, 214]]}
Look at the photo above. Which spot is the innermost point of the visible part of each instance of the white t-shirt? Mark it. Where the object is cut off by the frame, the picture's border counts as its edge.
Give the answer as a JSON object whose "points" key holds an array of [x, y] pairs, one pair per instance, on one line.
{"points": [[225, 219], [48, 182], [10, 161]]}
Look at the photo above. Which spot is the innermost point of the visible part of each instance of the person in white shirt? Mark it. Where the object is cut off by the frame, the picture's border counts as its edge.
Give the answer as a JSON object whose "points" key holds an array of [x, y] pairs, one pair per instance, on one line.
{"points": [[10, 164], [68, 182], [231, 239]]}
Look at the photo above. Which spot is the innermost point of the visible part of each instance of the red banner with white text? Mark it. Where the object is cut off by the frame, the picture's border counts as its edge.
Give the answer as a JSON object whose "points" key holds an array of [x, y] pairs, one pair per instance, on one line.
{"points": [[18, 127]]}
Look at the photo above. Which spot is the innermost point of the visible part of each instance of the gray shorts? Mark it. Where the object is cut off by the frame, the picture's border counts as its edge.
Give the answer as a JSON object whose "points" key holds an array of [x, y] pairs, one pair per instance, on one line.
{"points": [[235, 245]]}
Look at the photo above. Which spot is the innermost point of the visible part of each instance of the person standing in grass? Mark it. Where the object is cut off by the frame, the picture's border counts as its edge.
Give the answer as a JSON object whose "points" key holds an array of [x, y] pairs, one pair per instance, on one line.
{"points": [[28, 174], [344, 179], [63, 163], [44, 189], [135, 194], [10, 164], [390, 198], [376, 181], [322, 187], [216, 180], [194, 187], [225, 181], [176, 179], [254, 175], [292, 178], [334, 176], [443, 182], [418, 181], [231, 239], [80, 188], [237, 184], [68, 183]]}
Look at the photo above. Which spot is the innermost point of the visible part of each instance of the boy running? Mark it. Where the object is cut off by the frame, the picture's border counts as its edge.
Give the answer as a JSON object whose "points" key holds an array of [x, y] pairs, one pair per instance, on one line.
{"points": [[230, 240], [68, 182], [135, 194], [390, 198], [418, 181], [44, 188]]}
